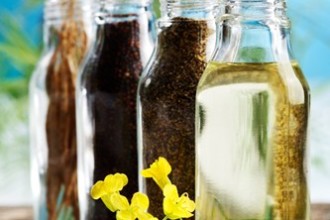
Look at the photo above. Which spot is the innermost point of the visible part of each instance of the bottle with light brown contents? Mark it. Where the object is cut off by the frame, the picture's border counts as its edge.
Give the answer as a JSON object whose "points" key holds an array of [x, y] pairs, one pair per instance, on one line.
{"points": [[53, 110], [251, 120]]}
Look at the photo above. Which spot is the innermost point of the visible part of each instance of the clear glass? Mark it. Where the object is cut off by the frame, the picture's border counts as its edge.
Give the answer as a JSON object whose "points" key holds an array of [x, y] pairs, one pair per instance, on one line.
{"points": [[106, 99], [252, 108], [52, 110], [166, 95]]}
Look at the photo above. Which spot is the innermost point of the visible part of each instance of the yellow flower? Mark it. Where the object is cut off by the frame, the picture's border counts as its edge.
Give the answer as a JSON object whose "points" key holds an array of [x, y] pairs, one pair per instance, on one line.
{"points": [[111, 184], [176, 207], [110, 188], [137, 209], [159, 172]]}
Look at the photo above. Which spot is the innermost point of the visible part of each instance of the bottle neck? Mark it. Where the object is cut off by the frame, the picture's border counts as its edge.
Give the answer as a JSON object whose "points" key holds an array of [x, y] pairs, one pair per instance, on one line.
{"points": [[257, 9], [197, 9], [114, 11], [254, 31], [121, 7], [127, 19], [63, 17]]}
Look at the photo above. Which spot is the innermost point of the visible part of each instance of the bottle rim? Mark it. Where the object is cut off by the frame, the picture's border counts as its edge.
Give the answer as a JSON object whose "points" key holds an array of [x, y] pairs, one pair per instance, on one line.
{"points": [[124, 1], [62, 9], [271, 4], [256, 10], [175, 8], [55, 10], [167, 5]]}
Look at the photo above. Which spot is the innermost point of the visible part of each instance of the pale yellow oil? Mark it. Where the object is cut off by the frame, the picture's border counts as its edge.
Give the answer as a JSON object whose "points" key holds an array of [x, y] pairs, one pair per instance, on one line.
{"points": [[251, 122]]}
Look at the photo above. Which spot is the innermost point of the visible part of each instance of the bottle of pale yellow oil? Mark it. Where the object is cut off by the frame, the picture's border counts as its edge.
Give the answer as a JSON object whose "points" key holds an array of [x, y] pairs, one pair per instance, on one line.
{"points": [[252, 112]]}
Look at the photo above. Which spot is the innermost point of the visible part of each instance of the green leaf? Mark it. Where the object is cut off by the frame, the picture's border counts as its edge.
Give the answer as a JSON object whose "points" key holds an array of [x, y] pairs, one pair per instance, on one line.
{"points": [[64, 212], [156, 8], [16, 45], [15, 88], [18, 54], [31, 4], [12, 31]]}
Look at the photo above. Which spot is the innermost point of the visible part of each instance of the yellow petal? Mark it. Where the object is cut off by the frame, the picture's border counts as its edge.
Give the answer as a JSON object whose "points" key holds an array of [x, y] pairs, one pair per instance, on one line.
{"points": [[176, 207], [106, 199], [145, 216], [159, 166], [97, 190], [115, 183], [170, 191], [159, 171], [180, 213], [140, 200], [125, 215], [123, 178], [171, 196], [168, 206], [176, 212], [187, 203], [164, 165], [119, 202]]}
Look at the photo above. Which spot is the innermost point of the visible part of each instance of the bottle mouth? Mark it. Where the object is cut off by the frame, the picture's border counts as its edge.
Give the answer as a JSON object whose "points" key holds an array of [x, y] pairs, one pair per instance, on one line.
{"points": [[256, 9], [271, 4], [55, 10], [124, 1], [105, 11], [188, 8]]}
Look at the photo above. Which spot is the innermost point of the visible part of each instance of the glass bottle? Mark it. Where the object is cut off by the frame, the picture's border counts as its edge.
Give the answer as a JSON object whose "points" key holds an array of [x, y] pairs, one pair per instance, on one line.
{"points": [[52, 110], [251, 119], [106, 98], [166, 96]]}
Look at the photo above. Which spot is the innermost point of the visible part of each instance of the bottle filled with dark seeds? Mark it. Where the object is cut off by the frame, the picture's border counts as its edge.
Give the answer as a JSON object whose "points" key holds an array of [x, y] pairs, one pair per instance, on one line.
{"points": [[166, 97], [106, 98]]}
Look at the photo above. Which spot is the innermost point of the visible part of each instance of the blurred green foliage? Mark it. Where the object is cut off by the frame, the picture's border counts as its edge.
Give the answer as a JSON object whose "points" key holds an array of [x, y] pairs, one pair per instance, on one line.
{"points": [[156, 7], [20, 53], [17, 47]]}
